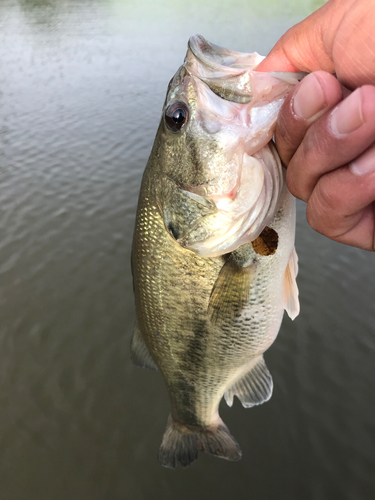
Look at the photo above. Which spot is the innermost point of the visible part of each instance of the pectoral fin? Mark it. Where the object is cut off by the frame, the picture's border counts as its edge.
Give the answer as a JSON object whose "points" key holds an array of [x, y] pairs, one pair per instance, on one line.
{"points": [[231, 291], [254, 388], [139, 352], [290, 286]]}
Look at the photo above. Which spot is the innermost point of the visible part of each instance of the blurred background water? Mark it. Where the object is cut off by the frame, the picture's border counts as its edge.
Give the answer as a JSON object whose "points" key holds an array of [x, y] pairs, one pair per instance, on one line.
{"points": [[82, 84]]}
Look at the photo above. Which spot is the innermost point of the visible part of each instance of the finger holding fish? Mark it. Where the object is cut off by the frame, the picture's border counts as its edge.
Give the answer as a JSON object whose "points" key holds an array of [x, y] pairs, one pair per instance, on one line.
{"points": [[334, 140], [342, 204], [337, 38], [315, 95], [340, 199]]}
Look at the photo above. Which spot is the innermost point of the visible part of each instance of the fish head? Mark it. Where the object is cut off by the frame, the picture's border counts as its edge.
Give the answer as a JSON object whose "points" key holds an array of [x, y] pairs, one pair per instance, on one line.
{"points": [[219, 179]]}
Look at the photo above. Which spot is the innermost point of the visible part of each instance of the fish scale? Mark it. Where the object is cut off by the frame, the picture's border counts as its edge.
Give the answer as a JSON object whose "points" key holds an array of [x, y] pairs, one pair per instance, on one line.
{"points": [[209, 306]]}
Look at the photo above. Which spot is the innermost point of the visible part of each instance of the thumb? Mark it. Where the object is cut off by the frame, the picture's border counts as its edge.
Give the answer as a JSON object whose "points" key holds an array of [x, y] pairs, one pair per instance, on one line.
{"points": [[304, 47]]}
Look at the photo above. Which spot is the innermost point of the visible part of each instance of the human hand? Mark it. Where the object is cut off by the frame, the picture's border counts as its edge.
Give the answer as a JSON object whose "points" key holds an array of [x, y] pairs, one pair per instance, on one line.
{"points": [[325, 133]]}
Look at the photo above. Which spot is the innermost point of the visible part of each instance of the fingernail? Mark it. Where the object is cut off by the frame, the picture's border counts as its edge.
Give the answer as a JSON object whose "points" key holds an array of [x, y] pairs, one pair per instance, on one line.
{"points": [[309, 98], [347, 116], [365, 163]]}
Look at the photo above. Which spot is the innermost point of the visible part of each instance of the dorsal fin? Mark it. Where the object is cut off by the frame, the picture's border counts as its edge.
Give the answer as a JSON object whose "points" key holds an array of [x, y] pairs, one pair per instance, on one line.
{"points": [[253, 388], [291, 302], [139, 352]]}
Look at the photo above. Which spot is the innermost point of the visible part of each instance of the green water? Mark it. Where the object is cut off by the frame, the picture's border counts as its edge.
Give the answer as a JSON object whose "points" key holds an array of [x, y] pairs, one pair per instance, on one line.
{"points": [[82, 84]]}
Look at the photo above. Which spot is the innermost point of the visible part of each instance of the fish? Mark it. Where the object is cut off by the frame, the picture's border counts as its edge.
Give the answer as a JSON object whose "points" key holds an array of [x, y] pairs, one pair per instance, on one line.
{"points": [[213, 257]]}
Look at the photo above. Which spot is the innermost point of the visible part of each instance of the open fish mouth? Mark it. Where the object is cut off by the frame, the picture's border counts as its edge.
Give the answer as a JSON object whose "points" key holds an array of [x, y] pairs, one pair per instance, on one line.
{"points": [[230, 74], [215, 57], [236, 108], [224, 71]]}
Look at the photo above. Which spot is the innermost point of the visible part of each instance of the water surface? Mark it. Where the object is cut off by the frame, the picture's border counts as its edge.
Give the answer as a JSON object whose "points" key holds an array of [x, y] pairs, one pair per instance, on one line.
{"points": [[81, 89]]}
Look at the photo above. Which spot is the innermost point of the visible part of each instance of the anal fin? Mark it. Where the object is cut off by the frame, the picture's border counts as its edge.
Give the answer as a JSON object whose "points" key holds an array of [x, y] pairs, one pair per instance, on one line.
{"points": [[254, 388], [139, 352]]}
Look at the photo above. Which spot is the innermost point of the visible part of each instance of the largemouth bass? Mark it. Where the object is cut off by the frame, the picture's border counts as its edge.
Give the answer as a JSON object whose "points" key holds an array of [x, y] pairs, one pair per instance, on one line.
{"points": [[213, 256]]}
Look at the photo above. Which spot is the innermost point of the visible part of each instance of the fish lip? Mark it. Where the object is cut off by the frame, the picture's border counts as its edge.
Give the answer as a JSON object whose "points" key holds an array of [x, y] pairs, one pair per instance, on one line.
{"points": [[207, 62], [214, 73], [196, 44]]}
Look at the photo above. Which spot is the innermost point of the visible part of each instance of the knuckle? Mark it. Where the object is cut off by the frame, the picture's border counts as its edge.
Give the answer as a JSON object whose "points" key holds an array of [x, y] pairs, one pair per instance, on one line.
{"points": [[299, 177], [327, 194], [315, 145], [323, 208], [308, 165], [312, 219], [292, 184], [316, 217], [368, 102]]}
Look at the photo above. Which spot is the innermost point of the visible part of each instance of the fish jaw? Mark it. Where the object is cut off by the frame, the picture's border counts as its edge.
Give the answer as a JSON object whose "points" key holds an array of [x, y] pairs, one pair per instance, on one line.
{"points": [[221, 154], [233, 125], [232, 74], [240, 175], [241, 218]]}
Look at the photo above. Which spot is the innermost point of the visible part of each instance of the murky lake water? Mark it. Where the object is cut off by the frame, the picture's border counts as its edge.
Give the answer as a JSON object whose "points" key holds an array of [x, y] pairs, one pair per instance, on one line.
{"points": [[81, 89]]}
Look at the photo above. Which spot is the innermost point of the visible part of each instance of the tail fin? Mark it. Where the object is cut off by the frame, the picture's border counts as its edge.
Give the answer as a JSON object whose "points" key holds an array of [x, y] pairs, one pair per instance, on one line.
{"points": [[180, 445]]}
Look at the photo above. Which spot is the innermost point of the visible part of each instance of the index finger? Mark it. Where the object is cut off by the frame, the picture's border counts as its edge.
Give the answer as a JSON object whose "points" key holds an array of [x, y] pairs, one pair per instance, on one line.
{"points": [[312, 97], [302, 48]]}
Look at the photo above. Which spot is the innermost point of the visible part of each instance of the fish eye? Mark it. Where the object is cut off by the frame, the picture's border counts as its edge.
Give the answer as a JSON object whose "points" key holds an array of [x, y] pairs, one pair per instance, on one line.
{"points": [[176, 115]]}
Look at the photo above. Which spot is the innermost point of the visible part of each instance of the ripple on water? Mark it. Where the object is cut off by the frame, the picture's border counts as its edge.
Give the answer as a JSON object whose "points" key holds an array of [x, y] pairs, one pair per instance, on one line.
{"points": [[82, 86]]}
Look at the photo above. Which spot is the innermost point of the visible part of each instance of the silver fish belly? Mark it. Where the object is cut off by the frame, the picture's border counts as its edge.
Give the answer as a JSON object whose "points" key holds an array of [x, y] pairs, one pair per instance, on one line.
{"points": [[213, 256]]}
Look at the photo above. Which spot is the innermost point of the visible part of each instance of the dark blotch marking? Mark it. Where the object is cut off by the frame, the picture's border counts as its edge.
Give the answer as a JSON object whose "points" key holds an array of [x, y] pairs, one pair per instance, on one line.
{"points": [[267, 242], [193, 363]]}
